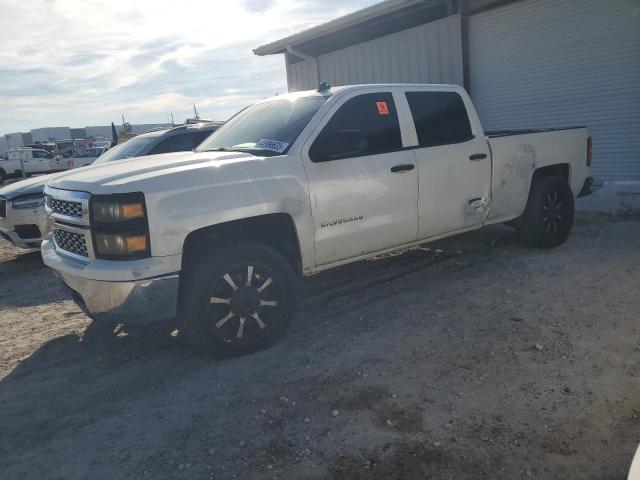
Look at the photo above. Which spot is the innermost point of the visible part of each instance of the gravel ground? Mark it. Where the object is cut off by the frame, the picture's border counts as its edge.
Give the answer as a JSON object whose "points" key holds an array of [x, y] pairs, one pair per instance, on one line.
{"points": [[474, 358]]}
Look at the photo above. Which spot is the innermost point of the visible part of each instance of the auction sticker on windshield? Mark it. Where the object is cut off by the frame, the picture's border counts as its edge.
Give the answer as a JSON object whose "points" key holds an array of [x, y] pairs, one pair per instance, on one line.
{"points": [[272, 145]]}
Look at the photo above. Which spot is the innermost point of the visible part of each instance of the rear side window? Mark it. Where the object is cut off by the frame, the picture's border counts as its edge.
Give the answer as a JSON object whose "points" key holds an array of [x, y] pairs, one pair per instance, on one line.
{"points": [[371, 116], [177, 143], [199, 137], [440, 118]]}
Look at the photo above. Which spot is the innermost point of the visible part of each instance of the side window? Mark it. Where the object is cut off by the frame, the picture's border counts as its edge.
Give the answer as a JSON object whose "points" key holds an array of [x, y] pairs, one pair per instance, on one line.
{"points": [[176, 143], [38, 154], [198, 137], [363, 125], [440, 118]]}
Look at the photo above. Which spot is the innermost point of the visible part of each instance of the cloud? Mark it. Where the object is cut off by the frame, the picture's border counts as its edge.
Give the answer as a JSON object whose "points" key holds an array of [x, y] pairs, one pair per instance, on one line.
{"points": [[65, 62]]}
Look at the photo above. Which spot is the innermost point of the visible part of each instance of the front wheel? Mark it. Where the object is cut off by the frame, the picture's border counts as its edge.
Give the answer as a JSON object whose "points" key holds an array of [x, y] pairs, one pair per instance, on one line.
{"points": [[237, 299], [548, 216]]}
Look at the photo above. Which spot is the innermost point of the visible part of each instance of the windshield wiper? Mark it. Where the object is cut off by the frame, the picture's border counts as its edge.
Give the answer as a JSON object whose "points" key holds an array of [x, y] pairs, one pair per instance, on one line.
{"points": [[255, 151], [252, 151], [220, 149]]}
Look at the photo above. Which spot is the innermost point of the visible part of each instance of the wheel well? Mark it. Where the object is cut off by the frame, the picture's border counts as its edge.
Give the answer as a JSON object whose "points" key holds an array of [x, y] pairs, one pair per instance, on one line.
{"points": [[276, 230], [559, 170]]}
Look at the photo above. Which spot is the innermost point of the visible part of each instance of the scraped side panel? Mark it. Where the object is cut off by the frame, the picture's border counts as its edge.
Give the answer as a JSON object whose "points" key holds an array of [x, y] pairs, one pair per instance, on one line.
{"points": [[517, 157]]}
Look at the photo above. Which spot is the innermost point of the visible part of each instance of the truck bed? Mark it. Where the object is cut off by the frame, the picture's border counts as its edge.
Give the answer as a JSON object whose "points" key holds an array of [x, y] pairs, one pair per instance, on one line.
{"points": [[518, 153]]}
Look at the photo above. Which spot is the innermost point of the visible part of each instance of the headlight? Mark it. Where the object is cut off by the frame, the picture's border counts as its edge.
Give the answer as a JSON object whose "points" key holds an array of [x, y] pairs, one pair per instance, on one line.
{"points": [[117, 211], [119, 226], [32, 200]]}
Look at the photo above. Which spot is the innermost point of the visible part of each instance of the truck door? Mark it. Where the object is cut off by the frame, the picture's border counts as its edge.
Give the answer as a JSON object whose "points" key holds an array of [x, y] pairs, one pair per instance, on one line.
{"points": [[453, 162], [40, 161], [363, 185]]}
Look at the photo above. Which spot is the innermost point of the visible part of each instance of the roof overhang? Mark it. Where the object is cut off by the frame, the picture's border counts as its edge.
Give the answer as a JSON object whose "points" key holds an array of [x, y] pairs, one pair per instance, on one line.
{"points": [[375, 13]]}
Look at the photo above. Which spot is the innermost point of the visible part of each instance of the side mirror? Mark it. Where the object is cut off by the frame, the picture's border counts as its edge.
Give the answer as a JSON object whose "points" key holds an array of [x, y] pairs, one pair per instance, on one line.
{"points": [[338, 144]]}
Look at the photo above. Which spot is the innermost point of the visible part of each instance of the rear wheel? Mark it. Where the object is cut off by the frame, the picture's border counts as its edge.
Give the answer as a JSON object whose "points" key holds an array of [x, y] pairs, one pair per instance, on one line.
{"points": [[548, 216], [3, 175], [237, 299]]}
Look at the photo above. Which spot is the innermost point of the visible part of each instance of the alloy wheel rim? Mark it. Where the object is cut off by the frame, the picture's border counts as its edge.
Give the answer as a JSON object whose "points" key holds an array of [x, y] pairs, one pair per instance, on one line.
{"points": [[553, 212], [245, 304]]}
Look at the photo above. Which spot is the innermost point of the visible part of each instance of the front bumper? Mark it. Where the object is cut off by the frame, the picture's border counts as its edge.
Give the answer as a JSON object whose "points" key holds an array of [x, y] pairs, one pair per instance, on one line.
{"points": [[141, 300], [16, 225]]}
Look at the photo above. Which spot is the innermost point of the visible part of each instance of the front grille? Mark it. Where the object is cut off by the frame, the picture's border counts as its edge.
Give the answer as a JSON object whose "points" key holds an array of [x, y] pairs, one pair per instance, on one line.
{"points": [[65, 207], [3, 208], [71, 242]]}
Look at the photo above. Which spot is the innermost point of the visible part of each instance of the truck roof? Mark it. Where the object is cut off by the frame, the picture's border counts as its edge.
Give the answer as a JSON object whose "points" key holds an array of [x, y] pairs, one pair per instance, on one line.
{"points": [[327, 90]]}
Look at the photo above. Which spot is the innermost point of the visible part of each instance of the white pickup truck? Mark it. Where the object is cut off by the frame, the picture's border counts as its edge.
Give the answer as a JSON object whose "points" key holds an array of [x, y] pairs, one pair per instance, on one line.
{"points": [[293, 185], [17, 161]]}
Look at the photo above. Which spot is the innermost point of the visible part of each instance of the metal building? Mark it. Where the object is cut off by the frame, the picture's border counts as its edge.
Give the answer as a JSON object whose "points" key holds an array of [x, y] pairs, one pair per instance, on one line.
{"points": [[50, 134], [526, 63]]}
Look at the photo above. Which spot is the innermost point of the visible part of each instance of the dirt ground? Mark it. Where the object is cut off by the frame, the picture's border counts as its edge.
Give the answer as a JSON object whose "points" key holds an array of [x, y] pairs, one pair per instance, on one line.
{"points": [[474, 358]]}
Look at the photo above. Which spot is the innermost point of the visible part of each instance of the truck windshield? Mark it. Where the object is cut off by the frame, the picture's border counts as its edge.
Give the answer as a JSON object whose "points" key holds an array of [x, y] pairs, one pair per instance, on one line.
{"points": [[133, 147], [267, 128]]}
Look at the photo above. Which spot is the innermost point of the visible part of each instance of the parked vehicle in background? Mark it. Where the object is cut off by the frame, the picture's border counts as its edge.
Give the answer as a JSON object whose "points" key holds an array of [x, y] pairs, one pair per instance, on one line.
{"points": [[102, 143], [177, 139], [9, 168], [50, 147], [22, 218], [84, 157], [64, 147], [21, 204], [28, 161], [294, 185]]}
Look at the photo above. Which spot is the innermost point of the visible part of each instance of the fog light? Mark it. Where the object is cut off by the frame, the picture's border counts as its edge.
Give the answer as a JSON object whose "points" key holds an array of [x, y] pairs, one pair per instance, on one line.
{"points": [[120, 245]]}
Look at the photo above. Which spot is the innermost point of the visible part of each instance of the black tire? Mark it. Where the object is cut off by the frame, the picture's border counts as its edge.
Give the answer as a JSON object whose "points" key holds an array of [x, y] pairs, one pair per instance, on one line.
{"points": [[226, 317], [548, 216], [3, 175]]}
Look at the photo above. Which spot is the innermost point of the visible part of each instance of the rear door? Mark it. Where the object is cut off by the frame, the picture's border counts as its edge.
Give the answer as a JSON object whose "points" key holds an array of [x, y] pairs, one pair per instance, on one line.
{"points": [[454, 163], [364, 198]]}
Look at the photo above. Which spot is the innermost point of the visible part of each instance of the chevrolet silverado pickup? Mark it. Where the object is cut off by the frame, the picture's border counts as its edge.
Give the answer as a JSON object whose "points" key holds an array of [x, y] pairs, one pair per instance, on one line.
{"points": [[290, 186]]}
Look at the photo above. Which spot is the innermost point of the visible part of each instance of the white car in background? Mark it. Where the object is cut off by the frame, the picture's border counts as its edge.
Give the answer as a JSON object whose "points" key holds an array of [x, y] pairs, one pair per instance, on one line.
{"points": [[22, 220]]}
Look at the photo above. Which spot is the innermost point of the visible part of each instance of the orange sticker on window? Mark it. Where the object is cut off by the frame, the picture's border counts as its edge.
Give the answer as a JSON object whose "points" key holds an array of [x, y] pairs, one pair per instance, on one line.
{"points": [[382, 108]]}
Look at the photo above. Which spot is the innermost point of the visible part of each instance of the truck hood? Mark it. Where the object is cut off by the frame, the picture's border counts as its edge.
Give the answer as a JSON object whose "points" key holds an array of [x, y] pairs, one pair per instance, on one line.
{"points": [[141, 173], [24, 187]]}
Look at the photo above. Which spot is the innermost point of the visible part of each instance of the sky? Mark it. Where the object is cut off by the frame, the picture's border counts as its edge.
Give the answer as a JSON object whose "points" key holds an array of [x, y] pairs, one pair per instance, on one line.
{"points": [[77, 63]]}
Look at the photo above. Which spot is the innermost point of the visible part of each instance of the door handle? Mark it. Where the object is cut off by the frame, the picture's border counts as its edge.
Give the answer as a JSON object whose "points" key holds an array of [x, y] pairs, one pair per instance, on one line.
{"points": [[478, 156], [403, 168]]}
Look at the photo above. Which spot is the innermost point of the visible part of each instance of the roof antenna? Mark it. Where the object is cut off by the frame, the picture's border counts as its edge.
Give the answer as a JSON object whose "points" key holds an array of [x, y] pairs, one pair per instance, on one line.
{"points": [[323, 86]]}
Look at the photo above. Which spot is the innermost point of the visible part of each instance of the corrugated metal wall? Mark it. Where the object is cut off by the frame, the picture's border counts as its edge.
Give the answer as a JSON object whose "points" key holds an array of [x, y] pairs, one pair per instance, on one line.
{"points": [[429, 53], [549, 63]]}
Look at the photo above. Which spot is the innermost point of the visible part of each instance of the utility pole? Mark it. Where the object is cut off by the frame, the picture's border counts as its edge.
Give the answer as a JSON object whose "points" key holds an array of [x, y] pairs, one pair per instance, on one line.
{"points": [[196, 113], [172, 122]]}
